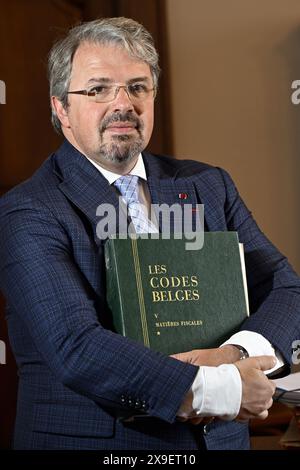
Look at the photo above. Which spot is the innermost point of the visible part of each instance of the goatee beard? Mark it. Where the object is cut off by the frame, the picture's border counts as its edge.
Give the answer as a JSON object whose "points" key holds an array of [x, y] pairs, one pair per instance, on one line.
{"points": [[123, 147], [122, 150]]}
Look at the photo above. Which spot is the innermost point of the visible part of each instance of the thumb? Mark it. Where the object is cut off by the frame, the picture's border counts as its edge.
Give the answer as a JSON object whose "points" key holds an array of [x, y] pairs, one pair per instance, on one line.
{"points": [[184, 357], [262, 362]]}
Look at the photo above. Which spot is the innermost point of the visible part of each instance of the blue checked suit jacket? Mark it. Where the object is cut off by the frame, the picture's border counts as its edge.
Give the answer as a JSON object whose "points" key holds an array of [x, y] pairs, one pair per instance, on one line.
{"points": [[75, 373]]}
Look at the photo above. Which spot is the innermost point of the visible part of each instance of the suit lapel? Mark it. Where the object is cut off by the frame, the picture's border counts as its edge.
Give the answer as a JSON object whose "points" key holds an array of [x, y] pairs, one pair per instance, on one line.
{"points": [[84, 185], [165, 185], [168, 188]]}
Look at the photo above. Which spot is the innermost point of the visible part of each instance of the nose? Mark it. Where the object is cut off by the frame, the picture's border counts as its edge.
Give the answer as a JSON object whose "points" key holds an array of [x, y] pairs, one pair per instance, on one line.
{"points": [[122, 100]]}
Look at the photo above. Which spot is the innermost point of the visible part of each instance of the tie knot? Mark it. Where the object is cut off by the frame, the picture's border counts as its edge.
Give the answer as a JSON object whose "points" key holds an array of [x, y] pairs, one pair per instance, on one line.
{"points": [[127, 185]]}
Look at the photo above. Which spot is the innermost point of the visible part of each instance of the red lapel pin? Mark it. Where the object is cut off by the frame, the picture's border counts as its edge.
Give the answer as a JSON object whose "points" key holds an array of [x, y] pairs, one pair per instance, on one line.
{"points": [[182, 195]]}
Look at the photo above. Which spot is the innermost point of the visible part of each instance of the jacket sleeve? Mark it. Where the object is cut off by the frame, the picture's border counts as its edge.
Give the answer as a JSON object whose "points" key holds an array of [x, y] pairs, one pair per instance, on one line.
{"points": [[274, 287], [42, 283]]}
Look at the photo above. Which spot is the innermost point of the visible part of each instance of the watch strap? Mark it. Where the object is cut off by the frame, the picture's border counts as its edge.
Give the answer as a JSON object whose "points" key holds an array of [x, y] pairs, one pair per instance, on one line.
{"points": [[243, 352]]}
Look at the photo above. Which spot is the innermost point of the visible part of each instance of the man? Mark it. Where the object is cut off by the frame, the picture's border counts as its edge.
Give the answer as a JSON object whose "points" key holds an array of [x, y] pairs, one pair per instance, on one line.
{"points": [[76, 374]]}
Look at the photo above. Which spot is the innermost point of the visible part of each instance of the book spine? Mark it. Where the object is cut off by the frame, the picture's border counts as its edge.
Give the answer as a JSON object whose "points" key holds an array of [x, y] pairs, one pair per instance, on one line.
{"points": [[114, 294]]}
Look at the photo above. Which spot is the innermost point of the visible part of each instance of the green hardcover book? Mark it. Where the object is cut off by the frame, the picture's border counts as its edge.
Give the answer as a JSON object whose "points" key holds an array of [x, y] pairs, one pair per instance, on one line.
{"points": [[172, 299]]}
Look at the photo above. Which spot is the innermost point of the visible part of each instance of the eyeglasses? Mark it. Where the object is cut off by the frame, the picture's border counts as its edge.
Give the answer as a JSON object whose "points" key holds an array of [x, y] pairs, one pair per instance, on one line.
{"points": [[107, 93]]}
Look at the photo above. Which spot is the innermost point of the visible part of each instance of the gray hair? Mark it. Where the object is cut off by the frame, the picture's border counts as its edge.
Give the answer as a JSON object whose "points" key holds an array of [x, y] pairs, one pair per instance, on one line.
{"points": [[125, 32]]}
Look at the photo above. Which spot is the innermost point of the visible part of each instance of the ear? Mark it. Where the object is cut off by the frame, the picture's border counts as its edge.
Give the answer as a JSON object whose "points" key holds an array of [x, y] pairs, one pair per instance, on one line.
{"points": [[61, 112]]}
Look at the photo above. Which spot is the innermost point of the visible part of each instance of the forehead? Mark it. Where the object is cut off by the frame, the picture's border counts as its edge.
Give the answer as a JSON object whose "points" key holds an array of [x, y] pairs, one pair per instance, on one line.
{"points": [[109, 61]]}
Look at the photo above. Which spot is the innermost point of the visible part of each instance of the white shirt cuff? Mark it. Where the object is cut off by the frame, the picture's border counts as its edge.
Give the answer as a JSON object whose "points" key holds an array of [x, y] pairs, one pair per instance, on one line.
{"points": [[256, 345], [216, 391]]}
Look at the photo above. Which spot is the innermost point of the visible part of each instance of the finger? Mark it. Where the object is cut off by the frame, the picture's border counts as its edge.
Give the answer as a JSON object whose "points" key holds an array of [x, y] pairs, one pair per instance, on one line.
{"points": [[195, 421], [273, 385], [246, 417], [263, 415], [262, 362], [180, 356], [269, 404], [181, 419]]}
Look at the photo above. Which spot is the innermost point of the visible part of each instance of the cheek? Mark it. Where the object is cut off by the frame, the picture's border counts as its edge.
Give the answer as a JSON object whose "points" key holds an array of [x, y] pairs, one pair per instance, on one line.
{"points": [[149, 120], [86, 118]]}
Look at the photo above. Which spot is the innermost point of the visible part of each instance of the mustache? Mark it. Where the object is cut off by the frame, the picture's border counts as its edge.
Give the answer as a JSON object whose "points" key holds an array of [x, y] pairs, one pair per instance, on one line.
{"points": [[120, 117]]}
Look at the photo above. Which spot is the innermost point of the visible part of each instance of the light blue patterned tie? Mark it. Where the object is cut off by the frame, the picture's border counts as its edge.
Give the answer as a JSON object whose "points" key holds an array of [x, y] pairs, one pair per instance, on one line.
{"points": [[128, 187]]}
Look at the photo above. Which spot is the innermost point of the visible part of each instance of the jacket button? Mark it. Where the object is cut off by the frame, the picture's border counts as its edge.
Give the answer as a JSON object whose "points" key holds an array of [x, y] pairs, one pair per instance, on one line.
{"points": [[137, 404], [144, 405], [130, 402], [123, 399]]}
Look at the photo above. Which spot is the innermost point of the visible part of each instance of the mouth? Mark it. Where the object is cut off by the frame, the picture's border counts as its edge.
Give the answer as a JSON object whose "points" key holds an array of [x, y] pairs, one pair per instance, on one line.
{"points": [[121, 128]]}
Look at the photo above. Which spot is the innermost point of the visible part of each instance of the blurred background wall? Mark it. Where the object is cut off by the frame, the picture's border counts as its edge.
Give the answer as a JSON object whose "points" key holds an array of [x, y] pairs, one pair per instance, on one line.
{"points": [[225, 99], [231, 67]]}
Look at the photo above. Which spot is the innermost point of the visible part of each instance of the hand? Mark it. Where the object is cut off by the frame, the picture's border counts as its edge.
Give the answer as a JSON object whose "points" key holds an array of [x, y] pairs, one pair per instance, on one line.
{"points": [[227, 354], [257, 389], [210, 357]]}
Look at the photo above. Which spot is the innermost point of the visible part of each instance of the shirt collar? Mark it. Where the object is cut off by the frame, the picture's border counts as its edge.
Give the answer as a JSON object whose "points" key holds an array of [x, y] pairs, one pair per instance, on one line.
{"points": [[138, 170]]}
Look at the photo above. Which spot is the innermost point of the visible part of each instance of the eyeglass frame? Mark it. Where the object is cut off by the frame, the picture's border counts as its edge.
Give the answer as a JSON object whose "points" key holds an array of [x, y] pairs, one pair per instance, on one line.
{"points": [[90, 93]]}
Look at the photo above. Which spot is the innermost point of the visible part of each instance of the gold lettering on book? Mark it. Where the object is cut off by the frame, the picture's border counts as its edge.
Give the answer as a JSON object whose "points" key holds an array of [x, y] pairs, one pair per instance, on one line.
{"points": [[157, 269], [172, 324], [173, 296], [191, 323], [166, 324], [177, 288]]}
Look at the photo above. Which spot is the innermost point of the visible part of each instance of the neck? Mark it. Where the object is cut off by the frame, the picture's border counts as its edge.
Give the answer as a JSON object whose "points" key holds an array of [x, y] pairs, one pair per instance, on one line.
{"points": [[121, 168]]}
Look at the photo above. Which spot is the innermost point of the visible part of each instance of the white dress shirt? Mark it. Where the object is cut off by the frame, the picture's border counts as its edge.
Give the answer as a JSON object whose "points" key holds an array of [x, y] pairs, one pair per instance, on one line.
{"points": [[216, 391]]}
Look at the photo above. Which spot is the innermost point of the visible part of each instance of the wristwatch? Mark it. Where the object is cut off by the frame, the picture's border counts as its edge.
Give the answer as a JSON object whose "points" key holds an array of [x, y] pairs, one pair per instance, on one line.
{"points": [[243, 352]]}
